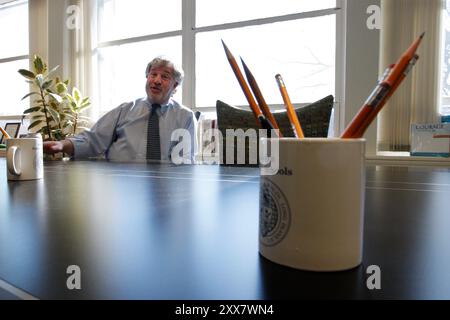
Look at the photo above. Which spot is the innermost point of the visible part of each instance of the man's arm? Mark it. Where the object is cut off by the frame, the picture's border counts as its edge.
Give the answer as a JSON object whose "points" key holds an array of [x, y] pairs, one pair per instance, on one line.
{"points": [[89, 143], [95, 142]]}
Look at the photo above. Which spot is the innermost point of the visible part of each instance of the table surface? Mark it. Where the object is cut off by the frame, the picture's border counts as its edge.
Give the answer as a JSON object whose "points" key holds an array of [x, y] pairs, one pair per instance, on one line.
{"points": [[150, 231]]}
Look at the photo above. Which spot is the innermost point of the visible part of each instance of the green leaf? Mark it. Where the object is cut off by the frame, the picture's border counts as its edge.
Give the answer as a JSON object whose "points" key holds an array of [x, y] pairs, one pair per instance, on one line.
{"points": [[56, 97], [29, 94], [61, 87], [38, 117], [27, 74], [83, 107], [47, 84], [54, 114], [39, 80], [35, 123], [43, 130], [70, 98], [33, 109], [39, 65], [76, 94]]}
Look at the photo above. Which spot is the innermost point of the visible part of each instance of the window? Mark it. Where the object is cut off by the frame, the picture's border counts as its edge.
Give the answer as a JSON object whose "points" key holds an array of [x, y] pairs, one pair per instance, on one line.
{"points": [[219, 12], [272, 37], [307, 65], [122, 69], [130, 33], [281, 44], [13, 56], [445, 85]]}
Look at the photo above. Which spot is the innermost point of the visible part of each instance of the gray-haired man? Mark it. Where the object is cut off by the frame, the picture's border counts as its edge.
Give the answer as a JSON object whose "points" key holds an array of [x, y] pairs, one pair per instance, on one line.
{"points": [[131, 131]]}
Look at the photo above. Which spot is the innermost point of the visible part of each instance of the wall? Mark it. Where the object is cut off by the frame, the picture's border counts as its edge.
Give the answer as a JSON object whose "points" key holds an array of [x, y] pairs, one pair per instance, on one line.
{"points": [[361, 65], [47, 21]]}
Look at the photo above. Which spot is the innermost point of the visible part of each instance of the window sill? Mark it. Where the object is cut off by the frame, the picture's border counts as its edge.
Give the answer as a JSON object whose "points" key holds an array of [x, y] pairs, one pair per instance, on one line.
{"points": [[405, 159]]}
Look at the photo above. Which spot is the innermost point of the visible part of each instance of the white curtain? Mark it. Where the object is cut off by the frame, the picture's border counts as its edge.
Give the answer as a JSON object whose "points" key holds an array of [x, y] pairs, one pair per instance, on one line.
{"points": [[417, 98], [80, 60]]}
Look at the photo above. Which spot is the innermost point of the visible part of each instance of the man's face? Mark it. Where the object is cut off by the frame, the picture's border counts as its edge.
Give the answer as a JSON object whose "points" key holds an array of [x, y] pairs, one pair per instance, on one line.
{"points": [[160, 84]]}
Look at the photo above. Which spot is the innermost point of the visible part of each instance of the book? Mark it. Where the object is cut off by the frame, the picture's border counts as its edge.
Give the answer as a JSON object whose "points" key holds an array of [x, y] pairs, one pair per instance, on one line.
{"points": [[430, 139]]}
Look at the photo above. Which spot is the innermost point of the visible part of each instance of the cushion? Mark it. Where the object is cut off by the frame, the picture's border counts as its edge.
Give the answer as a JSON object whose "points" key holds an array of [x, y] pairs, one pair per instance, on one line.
{"points": [[314, 119]]}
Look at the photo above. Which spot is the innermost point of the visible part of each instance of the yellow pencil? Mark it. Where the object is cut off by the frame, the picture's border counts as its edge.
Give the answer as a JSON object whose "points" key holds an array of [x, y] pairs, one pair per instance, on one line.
{"points": [[290, 109], [5, 133]]}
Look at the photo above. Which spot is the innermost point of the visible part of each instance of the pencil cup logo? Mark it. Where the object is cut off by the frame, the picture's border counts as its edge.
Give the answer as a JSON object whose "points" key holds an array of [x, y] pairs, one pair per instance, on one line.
{"points": [[73, 20], [274, 213], [374, 21]]}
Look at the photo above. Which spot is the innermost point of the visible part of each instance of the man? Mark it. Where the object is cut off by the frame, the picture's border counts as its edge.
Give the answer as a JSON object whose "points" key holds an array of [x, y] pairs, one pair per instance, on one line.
{"points": [[139, 130]]}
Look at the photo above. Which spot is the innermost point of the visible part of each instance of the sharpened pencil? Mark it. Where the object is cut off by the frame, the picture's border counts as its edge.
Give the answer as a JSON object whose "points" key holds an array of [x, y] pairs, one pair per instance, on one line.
{"points": [[259, 97], [259, 116], [382, 92], [5, 133], [359, 133], [290, 109]]}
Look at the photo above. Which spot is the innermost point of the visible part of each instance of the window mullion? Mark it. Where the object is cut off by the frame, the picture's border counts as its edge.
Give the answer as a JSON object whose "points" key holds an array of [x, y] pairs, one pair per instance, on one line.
{"points": [[188, 52]]}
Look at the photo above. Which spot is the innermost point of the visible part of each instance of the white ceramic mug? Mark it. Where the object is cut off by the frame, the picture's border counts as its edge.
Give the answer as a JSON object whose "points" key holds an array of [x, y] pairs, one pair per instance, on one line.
{"points": [[312, 210], [24, 159]]}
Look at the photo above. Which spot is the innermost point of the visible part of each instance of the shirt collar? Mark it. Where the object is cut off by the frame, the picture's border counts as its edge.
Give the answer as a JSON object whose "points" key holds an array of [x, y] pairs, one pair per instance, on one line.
{"points": [[164, 107]]}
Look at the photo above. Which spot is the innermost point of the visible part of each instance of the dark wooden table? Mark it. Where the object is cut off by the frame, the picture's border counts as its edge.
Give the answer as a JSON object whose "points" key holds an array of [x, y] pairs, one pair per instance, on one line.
{"points": [[147, 231]]}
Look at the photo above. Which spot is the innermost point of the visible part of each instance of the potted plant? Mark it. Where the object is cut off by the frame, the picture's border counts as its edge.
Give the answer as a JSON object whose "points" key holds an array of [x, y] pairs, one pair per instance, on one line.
{"points": [[56, 112]]}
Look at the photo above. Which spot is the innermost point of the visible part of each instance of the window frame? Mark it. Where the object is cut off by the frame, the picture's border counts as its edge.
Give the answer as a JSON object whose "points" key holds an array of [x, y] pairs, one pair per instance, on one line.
{"points": [[443, 100], [5, 6], [189, 31]]}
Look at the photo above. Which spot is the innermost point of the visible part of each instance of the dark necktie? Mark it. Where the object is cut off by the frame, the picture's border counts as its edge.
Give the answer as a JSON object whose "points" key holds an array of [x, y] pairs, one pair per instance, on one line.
{"points": [[153, 143]]}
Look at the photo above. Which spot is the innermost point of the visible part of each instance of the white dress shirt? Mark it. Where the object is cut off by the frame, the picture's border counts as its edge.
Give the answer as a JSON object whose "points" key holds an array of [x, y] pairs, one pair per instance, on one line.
{"points": [[121, 134]]}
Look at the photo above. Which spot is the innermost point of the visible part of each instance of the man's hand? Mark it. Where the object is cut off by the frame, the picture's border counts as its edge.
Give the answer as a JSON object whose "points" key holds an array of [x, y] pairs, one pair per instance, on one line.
{"points": [[52, 147]]}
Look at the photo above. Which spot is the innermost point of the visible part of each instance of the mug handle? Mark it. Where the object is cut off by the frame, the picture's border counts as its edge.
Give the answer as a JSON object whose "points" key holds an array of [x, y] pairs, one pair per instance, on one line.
{"points": [[13, 155]]}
